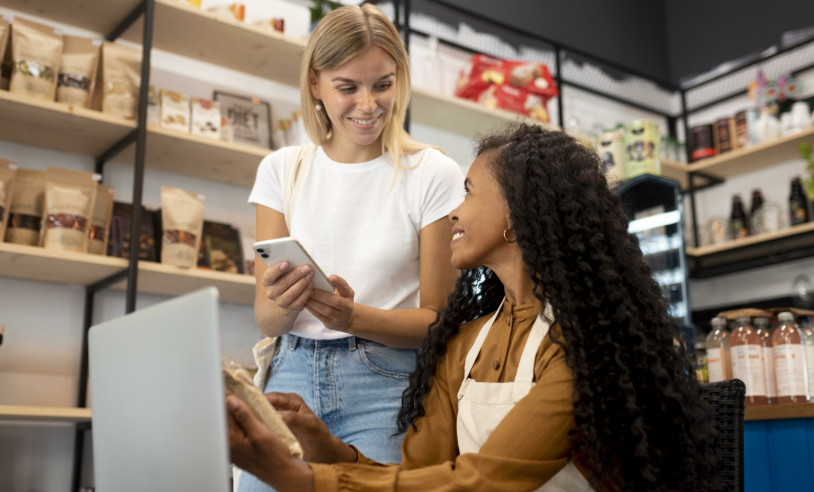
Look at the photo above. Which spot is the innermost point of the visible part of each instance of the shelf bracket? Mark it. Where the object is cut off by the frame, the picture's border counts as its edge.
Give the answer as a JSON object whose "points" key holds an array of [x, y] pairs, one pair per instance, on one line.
{"points": [[128, 21], [114, 150]]}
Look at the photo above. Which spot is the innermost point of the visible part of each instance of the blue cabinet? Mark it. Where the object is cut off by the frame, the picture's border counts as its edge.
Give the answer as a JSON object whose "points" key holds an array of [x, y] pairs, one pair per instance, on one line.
{"points": [[779, 451]]}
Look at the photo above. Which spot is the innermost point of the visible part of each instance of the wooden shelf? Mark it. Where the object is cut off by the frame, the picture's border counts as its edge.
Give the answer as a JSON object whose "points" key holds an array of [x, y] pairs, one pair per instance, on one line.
{"points": [[156, 278], [194, 33], [59, 126], [45, 414], [62, 267], [752, 158], [779, 412], [675, 170], [94, 15], [461, 116], [201, 157], [47, 265], [751, 240]]}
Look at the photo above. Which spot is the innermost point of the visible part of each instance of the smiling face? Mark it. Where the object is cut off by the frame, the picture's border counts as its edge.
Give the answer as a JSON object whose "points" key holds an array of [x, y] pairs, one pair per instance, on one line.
{"points": [[479, 222], [358, 97]]}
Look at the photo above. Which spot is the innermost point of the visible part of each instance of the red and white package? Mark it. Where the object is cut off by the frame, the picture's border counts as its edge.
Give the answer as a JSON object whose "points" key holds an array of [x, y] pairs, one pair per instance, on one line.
{"points": [[515, 100]]}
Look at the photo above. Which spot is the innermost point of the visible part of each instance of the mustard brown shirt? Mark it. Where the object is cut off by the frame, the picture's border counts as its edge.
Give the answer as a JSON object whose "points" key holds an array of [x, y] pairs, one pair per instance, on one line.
{"points": [[527, 448]]}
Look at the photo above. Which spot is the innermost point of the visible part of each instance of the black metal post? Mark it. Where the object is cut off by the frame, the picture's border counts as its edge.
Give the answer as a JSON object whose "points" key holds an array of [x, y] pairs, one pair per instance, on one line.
{"points": [[558, 80]]}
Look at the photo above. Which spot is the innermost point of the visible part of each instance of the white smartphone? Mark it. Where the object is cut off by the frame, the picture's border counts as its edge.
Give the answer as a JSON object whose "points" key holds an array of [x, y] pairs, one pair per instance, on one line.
{"points": [[273, 251]]}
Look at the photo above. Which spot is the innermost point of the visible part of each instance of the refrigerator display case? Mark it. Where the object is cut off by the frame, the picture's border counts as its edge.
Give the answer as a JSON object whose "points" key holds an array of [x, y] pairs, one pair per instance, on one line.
{"points": [[655, 212]]}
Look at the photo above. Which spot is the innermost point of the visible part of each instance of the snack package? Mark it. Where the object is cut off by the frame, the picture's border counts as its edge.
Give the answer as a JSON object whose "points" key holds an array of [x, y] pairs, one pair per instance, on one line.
{"points": [[119, 240], [25, 211], [77, 73], [174, 111], [226, 10], [642, 148], [36, 53], [238, 382], [100, 221], [517, 86], [221, 248], [121, 78], [206, 118], [69, 199], [5, 53], [8, 170], [182, 224]]}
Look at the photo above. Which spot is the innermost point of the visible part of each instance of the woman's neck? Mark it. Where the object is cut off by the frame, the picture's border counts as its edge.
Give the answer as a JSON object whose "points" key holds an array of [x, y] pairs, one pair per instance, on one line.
{"points": [[518, 286]]}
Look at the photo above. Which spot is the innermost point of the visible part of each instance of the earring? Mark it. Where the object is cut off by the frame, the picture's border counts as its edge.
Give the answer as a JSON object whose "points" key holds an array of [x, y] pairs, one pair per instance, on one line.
{"points": [[506, 235], [318, 107]]}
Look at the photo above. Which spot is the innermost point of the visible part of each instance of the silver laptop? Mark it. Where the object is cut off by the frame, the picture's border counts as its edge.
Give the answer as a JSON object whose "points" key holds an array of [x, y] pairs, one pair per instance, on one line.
{"points": [[159, 416]]}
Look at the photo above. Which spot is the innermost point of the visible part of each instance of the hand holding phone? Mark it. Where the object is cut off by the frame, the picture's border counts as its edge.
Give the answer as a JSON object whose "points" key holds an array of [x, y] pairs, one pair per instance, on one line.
{"points": [[273, 251]]}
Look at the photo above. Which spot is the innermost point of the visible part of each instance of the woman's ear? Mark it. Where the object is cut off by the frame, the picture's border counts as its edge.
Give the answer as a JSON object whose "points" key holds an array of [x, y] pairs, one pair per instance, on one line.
{"points": [[313, 83]]}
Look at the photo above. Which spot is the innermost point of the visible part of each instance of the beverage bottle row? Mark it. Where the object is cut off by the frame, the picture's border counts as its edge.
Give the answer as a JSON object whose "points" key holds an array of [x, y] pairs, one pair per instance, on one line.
{"points": [[776, 365], [765, 217]]}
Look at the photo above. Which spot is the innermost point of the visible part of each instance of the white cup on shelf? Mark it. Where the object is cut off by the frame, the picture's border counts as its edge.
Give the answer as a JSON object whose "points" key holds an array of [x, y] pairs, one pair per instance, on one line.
{"points": [[800, 119]]}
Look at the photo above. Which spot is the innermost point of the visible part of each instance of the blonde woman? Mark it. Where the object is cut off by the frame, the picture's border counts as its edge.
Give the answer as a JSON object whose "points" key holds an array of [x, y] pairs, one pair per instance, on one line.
{"points": [[370, 207]]}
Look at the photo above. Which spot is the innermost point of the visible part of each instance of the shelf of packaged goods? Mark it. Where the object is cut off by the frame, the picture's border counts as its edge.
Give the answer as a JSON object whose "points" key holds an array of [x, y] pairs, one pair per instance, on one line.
{"points": [[59, 126], [753, 251], [63, 267], [194, 33], [168, 280], [45, 414], [184, 30], [780, 411], [752, 158], [201, 157], [460, 116]]}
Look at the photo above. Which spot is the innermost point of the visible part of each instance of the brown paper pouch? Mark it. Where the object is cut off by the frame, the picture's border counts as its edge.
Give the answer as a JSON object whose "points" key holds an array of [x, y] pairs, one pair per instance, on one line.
{"points": [[5, 53], [121, 77], [182, 224], [25, 211], [77, 73], [8, 170], [36, 52], [69, 199], [100, 222]]}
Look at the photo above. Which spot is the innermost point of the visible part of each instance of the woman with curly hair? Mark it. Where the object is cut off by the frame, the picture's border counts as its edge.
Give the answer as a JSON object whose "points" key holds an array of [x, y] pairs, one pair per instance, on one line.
{"points": [[554, 365]]}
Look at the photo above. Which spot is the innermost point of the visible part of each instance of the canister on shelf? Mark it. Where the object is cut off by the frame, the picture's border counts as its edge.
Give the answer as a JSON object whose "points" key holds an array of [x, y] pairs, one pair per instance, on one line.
{"points": [[744, 127], [724, 133], [612, 151], [702, 142], [642, 148]]}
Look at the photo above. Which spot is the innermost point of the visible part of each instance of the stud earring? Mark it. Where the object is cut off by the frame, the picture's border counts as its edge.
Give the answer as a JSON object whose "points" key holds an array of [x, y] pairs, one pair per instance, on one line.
{"points": [[318, 107]]}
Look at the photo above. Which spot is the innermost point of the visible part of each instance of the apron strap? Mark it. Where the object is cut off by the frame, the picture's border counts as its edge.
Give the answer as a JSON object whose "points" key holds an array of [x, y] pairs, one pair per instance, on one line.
{"points": [[475, 350], [525, 370]]}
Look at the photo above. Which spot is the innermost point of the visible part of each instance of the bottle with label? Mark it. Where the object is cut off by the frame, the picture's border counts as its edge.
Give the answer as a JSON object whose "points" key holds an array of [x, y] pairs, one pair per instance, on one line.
{"points": [[789, 360], [718, 363], [747, 361], [808, 347], [798, 204], [755, 213], [765, 334], [738, 223]]}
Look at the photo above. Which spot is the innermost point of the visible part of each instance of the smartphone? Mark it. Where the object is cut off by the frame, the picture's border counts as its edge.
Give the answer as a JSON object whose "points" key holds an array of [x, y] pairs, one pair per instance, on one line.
{"points": [[273, 251]]}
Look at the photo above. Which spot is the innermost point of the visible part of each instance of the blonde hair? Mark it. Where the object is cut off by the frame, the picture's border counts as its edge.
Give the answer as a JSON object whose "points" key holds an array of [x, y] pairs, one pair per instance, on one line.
{"points": [[337, 38]]}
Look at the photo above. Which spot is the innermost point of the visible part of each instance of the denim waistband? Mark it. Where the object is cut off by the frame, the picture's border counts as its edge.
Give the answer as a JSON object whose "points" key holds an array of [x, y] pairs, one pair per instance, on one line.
{"points": [[350, 341]]}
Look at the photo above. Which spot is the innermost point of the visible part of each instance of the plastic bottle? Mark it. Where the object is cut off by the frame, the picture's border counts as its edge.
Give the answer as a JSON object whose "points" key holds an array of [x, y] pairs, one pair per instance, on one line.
{"points": [[808, 347], [738, 223], [789, 359], [756, 213], [765, 334], [718, 359], [747, 361]]}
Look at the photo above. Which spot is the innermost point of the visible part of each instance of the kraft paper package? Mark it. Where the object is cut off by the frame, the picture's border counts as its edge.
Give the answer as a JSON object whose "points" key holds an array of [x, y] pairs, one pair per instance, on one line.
{"points": [[100, 222], [69, 199], [77, 73], [25, 211], [5, 47], [182, 225], [36, 52], [121, 78], [8, 170]]}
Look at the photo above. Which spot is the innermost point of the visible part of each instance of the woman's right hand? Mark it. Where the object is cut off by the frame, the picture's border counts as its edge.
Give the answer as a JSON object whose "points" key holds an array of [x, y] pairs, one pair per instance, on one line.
{"points": [[318, 444], [289, 289]]}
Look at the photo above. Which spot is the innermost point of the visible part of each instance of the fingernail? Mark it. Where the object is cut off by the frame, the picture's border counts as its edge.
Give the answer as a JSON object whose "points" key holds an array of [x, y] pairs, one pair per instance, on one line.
{"points": [[231, 404], [305, 269], [284, 266]]}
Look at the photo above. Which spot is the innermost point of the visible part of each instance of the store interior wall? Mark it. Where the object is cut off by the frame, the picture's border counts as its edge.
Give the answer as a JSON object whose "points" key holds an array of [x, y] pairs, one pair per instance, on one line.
{"points": [[39, 362]]}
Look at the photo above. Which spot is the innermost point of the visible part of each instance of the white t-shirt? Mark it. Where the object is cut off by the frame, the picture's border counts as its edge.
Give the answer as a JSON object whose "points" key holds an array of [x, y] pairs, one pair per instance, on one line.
{"points": [[356, 222]]}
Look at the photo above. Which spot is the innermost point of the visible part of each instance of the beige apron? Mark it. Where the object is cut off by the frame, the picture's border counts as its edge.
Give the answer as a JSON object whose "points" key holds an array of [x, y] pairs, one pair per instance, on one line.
{"points": [[481, 406]]}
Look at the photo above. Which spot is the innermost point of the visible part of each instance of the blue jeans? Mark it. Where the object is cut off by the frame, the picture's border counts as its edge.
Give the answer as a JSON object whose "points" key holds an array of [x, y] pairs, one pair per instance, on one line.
{"points": [[353, 385]]}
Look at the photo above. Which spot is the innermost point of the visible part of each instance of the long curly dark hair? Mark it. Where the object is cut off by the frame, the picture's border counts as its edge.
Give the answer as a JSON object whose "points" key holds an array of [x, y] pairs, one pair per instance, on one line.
{"points": [[640, 419]]}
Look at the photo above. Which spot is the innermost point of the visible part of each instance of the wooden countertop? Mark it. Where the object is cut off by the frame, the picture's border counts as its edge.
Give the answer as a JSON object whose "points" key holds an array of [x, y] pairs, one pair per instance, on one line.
{"points": [[779, 412]]}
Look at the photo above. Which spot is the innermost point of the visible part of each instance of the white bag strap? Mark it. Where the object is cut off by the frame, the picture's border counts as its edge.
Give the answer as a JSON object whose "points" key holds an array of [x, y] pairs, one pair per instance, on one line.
{"points": [[295, 169]]}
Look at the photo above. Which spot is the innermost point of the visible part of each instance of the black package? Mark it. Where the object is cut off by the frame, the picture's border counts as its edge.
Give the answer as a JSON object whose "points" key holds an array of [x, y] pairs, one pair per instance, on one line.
{"points": [[119, 244], [221, 248]]}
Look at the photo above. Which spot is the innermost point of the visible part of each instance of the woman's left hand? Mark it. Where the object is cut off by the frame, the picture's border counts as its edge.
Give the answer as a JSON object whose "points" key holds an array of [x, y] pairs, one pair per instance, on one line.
{"points": [[334, 309], [255, 449]]}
